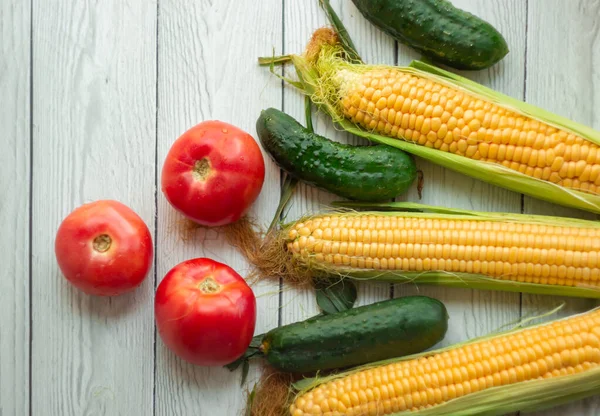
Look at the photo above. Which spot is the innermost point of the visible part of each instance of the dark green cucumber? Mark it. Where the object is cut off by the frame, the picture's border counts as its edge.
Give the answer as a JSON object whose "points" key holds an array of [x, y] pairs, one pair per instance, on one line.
{"points": [[438, 30], [387, 329], [365, 173]]}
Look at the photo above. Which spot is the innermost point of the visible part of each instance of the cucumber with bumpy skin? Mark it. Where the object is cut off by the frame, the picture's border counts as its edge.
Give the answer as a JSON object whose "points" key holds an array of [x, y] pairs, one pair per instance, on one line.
{"points": [[365, 173], [387, 329], [438, 30]]}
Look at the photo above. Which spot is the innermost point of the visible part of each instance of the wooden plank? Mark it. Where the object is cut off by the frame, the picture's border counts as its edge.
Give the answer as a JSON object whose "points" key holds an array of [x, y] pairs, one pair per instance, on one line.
{"points": [[208, 70], [564, 79], [15, 67], [473, 312], [94, 138], [301, 19]]}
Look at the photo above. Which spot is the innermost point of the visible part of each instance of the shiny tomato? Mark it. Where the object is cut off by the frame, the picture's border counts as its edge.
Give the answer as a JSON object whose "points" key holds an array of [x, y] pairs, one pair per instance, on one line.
{"points": [[104, 248], [213, 173], [205, 312]]}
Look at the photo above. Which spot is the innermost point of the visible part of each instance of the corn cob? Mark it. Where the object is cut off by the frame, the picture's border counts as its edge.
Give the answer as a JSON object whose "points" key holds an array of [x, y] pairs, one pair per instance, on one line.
{"points": [[406, 106], [529, 253], [455, 122], [510, 252], [527, 369]]}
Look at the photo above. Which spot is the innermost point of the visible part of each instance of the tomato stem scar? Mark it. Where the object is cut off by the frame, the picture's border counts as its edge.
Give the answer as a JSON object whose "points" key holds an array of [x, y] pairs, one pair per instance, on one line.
{"points": [[102, 243], [209, 285], [201, 169]]}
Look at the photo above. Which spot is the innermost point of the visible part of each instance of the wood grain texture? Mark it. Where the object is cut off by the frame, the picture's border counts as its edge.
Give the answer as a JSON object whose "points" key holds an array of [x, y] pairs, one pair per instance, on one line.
{"points": [[563, 77], [15, 71], [101, 129], [474, 312], [94, 138], [208, 69]]}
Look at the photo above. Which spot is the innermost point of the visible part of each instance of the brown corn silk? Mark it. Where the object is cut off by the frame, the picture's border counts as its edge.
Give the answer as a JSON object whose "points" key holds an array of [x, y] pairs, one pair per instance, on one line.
{"points": [[270, 395]]}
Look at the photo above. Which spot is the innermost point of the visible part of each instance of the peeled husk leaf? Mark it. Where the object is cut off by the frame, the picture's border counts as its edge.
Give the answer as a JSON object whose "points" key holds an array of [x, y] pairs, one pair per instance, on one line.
{"points": [[324, 58]]}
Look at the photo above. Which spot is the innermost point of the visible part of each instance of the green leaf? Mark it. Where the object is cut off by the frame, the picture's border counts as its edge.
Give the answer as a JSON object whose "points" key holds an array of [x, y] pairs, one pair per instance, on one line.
{"points": [[341, 30], [245, 370], [257, 341], [274, 60], [287, 191], [308, 114], [251, 397], [252, 351], [333, 297]]}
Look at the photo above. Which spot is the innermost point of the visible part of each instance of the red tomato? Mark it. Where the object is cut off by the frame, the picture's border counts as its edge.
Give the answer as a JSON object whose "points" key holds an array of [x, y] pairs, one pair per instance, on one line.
{"points": [[104, 248], [205, 312], [213, 173]]}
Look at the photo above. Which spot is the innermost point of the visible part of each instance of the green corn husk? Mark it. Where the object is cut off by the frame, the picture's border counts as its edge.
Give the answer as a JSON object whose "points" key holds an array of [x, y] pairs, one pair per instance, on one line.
{"points": [[524, 396], [299, 269], [315, 72]]}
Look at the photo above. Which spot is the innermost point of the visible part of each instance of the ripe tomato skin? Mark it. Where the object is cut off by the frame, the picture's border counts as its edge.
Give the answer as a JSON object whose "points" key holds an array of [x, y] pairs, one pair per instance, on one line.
{"points": [[205, 312], [98, 265], [213, 173]]}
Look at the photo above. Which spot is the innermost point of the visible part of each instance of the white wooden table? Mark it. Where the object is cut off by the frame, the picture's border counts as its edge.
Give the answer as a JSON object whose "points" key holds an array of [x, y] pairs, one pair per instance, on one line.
{"points": [[93, 93]]}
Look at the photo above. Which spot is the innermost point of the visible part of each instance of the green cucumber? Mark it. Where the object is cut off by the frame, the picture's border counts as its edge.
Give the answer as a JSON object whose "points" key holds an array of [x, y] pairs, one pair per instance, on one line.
{"points": [[438, 30], [366, 334], [364, 173]]}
